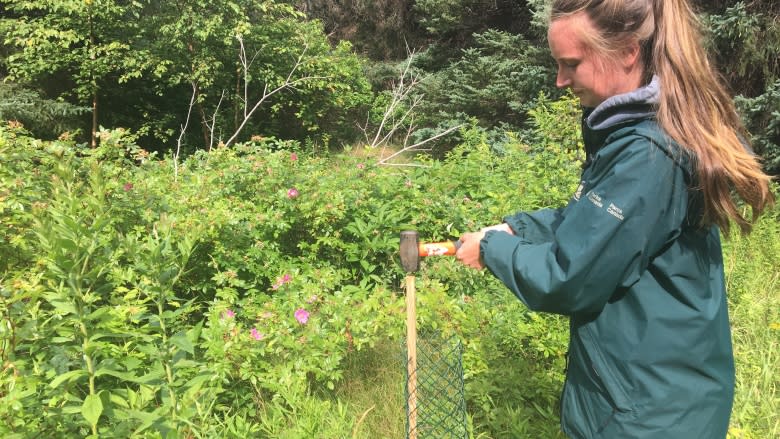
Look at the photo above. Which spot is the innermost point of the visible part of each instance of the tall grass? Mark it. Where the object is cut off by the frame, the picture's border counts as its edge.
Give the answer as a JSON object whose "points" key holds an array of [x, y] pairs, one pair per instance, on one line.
{"points": [[753, 278], [374, 386]]}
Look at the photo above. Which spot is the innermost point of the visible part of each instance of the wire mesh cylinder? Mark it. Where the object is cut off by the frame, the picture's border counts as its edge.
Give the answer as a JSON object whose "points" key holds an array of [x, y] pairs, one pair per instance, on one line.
{"points": [[439, 406]]}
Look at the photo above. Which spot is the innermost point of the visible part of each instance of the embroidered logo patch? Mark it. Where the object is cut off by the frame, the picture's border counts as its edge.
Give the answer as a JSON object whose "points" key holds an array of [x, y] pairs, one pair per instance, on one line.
{"points": [[595, 199], [615, 211], [611, 209]]}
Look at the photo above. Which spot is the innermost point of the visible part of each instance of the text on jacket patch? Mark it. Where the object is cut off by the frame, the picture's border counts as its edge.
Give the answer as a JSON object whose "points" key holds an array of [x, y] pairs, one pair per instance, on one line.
{"points": [[598, 202], [615, 211], [595, 199]]}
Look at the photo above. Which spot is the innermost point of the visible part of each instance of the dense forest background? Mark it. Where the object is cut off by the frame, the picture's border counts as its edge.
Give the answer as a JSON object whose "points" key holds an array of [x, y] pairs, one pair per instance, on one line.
{"points": [[189, 75]]}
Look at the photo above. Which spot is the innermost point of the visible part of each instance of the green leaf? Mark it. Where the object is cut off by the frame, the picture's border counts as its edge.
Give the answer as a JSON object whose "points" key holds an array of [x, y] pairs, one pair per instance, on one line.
{"points": [[67, 376], [99, 313], [127, 376], [147, 419], [181, 341], [92, 409], [62, 306], [197, 382]]}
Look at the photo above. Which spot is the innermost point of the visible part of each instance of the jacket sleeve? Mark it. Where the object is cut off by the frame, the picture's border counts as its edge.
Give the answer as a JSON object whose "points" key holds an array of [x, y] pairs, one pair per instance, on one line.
{"points": [[631, 203], [537, 226]]}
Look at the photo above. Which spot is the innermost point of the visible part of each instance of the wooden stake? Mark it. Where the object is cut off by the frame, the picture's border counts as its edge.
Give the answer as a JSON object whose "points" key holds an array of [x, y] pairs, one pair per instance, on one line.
{"points": [[411, 349]]}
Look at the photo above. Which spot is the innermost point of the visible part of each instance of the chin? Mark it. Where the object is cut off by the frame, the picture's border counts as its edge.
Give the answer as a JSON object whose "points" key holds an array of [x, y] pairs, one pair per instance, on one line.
{"points": [[590, 101], [586, 100]]}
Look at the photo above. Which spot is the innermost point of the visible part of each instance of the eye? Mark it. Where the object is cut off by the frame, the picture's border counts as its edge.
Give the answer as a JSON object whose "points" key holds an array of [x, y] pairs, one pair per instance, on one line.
{"points": [[568, 64]]}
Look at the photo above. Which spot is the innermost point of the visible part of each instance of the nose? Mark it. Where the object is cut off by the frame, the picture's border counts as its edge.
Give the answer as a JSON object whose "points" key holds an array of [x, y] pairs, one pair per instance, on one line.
{"points": [[562, 80]]}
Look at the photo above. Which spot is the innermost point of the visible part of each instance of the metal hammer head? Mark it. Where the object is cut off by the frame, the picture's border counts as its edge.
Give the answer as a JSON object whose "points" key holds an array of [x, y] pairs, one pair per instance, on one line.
{"points": [[410, 255]]}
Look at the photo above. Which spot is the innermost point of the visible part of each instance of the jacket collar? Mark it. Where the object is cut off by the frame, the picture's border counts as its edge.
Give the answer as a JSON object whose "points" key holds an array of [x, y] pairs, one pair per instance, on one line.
{"points": [[617, 111]]}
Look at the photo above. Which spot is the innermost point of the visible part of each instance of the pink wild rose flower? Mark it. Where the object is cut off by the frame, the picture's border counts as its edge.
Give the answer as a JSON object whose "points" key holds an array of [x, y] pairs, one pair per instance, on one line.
{"points": [[281, 281], [302, 316], [257, 335]]}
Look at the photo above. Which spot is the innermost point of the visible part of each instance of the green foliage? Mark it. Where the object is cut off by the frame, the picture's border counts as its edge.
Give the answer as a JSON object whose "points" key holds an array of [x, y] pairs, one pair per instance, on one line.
{"points": [[49, 118], [145, 306], [327, 104], [555, 123], [249, 295], [372, 26], [24, 186], [762, 119], [80, 39], [745, 39], [149, 59], [441, 16], [84, 44], [457, 21], [491, 81]]}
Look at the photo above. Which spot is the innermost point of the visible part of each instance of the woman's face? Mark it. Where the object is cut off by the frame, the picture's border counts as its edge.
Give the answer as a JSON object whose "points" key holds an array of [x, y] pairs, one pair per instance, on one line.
{"points": [[592, 78]]}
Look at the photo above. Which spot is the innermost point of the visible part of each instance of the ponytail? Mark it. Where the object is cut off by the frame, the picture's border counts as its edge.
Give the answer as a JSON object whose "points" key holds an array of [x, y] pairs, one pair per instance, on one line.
{"points": [[713, 132], [695, 109]]}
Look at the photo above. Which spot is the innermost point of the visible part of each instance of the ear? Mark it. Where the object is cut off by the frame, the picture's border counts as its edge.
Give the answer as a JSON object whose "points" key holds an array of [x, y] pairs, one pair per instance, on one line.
{"points": [[630, 58]]}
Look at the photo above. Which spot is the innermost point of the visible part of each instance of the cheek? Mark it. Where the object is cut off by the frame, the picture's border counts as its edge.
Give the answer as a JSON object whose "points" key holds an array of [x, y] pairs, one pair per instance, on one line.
{"points": [[604, 78], [591, 78]]}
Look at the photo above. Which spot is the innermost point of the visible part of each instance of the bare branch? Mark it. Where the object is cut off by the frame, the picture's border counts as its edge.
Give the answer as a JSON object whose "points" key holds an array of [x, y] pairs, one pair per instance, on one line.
{"points": [[245, 64], [289, 83], [416, 146], [214, 120], [402, 94], [406, 165], [183, 130]]}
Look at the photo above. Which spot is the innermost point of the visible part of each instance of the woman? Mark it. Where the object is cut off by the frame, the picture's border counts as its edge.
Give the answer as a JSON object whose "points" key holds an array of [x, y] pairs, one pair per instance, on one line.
{"points": [[635, 258]]}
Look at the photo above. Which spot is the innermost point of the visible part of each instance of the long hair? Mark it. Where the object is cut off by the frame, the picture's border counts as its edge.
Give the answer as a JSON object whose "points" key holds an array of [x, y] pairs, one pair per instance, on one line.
{"points": [[695, 109]]}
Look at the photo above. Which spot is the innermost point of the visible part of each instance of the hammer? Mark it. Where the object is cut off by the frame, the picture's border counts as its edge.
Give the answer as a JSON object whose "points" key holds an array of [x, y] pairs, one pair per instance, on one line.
{"points": [[411, 252]]}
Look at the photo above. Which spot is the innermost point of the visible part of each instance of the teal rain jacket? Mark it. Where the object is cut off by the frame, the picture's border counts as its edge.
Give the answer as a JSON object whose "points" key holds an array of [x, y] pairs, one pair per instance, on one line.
{"points": [[650, 348]]}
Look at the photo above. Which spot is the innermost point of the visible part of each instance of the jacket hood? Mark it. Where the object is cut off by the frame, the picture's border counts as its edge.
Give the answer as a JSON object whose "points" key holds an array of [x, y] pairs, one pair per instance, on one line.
{"points": [[637, 104]]}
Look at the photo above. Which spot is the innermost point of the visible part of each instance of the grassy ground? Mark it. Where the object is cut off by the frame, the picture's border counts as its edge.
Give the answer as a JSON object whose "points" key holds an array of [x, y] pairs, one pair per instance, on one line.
{"points": [[753, 276], [374, 386]]}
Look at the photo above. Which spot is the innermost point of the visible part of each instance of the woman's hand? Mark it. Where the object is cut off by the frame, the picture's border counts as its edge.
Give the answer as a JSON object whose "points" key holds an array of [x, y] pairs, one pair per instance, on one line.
{"points": [[468, 253], [469, 248]]}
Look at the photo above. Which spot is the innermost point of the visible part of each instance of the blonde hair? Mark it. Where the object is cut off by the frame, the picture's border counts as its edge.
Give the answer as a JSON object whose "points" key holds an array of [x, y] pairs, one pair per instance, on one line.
{"points": [[695, 109]]}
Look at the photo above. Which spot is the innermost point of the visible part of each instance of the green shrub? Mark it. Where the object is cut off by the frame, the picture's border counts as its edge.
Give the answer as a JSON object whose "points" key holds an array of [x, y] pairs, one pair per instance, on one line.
{"points": [[762, 119]]}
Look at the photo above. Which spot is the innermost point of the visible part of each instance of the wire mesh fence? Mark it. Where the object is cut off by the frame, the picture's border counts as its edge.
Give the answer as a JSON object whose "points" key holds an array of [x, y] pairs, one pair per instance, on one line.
{"points": [[435, 401]]}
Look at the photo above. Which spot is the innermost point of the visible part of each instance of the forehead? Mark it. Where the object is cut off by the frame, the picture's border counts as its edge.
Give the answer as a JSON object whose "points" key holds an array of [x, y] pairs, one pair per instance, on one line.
{"points": [[565, 36]]}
